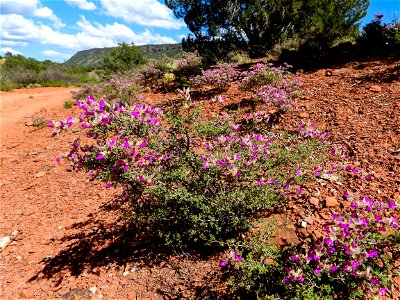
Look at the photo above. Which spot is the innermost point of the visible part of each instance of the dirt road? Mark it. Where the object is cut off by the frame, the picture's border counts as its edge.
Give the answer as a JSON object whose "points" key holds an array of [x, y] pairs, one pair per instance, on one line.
{"points": [[19, 105]]}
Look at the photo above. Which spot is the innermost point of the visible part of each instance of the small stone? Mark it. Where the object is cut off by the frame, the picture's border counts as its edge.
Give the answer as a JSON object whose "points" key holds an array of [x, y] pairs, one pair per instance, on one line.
{"points": [[19, 257], [346, 204], [81, 294], [304, 115], [4, 241], [126, 273], [317, 234], [314, 201], [93, 290], [375, 88], [302, 232], [373, 186], [303, 224], [331, 202], [40, 174], [28, 293], [133, 269]]}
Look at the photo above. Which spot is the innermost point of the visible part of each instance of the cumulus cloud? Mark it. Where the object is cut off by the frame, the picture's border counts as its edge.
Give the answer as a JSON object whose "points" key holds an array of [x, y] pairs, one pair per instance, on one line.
{"points": [[53, 53], [82, 4], [30, 8], [13, 43], [19, 29], [142, 12], [9, 50]]}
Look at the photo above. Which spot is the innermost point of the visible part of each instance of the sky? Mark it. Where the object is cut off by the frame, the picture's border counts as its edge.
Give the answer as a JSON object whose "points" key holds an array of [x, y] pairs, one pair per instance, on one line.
{"points": [[57, 29]]}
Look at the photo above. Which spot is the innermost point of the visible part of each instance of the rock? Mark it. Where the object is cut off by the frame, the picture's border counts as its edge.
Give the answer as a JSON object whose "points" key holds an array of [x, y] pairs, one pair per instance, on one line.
{"points": [[28, 293], [346, 204], [314, 201], [81, 294], [40, 174], [331, 202], [330, 177], [93, 290], [303, 224], [302, 232], [304, 115], [375, 88], [126, 273], [4, 241]]}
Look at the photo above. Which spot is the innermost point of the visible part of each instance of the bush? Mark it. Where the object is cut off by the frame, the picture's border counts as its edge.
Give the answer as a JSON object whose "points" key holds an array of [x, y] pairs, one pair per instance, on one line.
{"points": [[218, 77], [188, 65], [122, 59], [355, 259], [378, 36], [189, 179]]}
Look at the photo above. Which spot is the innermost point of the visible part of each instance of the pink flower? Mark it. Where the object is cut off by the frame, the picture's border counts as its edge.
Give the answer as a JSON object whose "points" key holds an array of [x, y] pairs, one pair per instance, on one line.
{"points": [[372, 254], [223, 264], [100, 156]]}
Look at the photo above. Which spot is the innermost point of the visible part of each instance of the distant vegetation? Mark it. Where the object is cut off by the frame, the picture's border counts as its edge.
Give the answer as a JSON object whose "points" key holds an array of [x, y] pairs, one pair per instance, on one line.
{"points": [[94, 58], [17, 71]]}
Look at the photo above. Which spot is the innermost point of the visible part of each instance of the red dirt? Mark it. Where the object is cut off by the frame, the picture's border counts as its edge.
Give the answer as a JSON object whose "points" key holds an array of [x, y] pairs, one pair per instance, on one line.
{"points": [[70, 238]]}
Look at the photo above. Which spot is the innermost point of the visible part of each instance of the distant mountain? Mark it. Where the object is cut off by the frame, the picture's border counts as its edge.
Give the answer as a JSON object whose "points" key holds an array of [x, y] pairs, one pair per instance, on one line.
{"points": [[94, 57]]}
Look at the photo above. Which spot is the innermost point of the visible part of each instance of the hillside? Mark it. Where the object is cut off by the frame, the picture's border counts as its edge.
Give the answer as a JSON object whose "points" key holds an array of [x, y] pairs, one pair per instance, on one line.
{"points": [[94, 57]]}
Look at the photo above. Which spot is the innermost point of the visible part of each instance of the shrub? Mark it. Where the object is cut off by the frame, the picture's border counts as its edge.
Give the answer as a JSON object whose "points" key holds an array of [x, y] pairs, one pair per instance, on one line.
{"points": [[188, 65], [377, 36], [122, 59], [218, 77], [355, 259], [189, 179]]}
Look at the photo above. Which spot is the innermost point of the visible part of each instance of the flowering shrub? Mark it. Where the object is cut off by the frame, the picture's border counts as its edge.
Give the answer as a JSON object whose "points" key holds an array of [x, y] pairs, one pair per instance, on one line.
{"points": [[219, 77], [124, 89], [354, 259], [188, 65], [266, 74], [358, 249], [186, 178]]}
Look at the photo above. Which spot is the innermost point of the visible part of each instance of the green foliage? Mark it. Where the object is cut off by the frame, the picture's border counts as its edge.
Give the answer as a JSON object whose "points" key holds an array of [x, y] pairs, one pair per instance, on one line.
{"points": [[122, 59], [378, 36], [94, 58], [256, 26], [19, 71], [68, 104]]}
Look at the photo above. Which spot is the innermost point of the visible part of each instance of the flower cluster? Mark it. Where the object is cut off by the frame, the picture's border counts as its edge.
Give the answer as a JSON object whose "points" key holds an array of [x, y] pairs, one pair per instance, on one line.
{"points": [[219, 77], [266, 74], [118, 88], [354, 246], [232, 256], [310, 130], [274, 96]]}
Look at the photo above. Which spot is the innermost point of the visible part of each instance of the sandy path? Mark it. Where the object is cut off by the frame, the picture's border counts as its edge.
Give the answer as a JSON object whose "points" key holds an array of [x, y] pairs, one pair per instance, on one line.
{"points": [[23, 103]]}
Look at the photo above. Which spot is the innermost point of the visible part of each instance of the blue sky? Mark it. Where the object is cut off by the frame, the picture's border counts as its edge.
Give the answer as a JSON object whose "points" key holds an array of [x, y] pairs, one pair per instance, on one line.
{"points": [[57, 29]]}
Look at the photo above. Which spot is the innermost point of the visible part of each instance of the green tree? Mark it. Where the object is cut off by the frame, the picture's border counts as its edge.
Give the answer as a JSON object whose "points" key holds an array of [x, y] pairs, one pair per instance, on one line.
{"points": [[261, 24], [123, 58]]}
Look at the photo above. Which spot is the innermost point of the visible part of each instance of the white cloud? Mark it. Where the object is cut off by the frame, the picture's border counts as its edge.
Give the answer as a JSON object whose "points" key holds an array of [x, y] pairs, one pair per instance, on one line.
{"points": [[9, 50], [54, 53], [13, 43], [47, 13], [142, 12], [18, 29], [22, 7], [82, 4], [30, 8]]}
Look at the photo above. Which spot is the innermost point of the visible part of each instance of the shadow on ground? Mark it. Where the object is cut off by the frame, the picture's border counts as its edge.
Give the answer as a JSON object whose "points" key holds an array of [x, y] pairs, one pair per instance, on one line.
{"points": [[100, 244]]}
